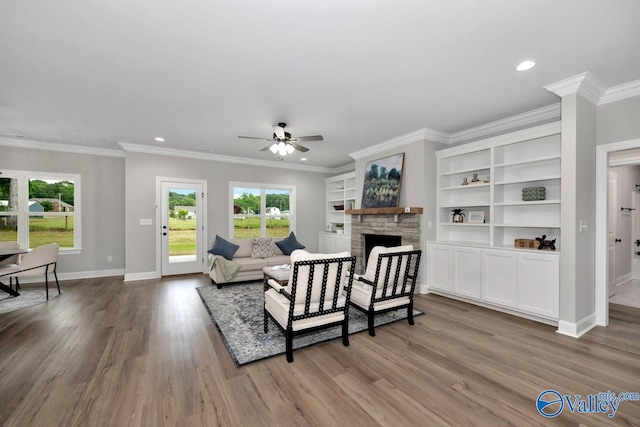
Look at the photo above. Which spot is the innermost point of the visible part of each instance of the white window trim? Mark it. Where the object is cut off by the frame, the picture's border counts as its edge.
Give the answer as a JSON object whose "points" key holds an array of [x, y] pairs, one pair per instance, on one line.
{"points": [[23, 204], [263, 201]]}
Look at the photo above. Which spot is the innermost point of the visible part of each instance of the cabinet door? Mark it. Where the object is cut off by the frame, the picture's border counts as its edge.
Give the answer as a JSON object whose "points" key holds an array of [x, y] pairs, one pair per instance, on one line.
{"points": [[499, 277], [467, 269], [539, 284], [343, 243], [439, 267], [326, 243]]}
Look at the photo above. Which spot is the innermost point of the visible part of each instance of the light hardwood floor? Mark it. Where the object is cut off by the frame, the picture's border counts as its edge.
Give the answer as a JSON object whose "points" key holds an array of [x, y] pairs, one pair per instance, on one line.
{"points": [[147, 354]]}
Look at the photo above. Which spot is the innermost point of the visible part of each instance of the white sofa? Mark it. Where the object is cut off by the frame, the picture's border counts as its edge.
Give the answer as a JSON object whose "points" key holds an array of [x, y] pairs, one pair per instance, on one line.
{"points": [[249, 268]]}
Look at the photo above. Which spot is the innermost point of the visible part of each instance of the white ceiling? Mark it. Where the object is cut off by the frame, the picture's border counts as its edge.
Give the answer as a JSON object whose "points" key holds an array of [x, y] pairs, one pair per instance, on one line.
{"points": [[200, 73]]}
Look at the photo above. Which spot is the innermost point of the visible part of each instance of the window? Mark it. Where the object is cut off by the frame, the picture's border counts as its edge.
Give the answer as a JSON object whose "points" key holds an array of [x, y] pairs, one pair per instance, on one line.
{"points": [[259, 210], [39, 208]]}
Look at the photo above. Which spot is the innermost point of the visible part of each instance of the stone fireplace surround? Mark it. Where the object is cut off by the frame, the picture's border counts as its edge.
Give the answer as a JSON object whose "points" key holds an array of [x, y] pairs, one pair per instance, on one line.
{"points": [[403, 222]]}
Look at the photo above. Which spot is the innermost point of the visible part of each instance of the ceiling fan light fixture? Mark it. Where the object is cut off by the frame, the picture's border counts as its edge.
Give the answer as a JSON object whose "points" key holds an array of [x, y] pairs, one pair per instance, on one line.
{"points": [[290, 149], [274, 148]]}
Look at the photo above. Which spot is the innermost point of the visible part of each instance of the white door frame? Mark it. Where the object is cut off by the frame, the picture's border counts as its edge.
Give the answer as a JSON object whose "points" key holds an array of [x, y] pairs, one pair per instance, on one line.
{"points": [[158, 206], [602, 185]]}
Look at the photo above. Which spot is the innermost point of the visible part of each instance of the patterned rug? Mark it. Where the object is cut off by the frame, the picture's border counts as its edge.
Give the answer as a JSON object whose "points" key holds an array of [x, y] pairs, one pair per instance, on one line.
{"points": [[27, 298], [237, 311]]}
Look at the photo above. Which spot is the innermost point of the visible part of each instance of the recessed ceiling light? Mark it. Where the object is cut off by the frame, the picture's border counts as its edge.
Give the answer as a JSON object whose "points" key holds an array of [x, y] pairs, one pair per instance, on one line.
{"points": [[525, 65], [159, 139], [303, 159]]}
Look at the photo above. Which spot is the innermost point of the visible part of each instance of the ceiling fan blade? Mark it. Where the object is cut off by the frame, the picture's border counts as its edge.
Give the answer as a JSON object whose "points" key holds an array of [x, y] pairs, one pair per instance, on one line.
{"points": [[308, 138], [254, 137], [266, 148], [278, 131], [299, 147]]}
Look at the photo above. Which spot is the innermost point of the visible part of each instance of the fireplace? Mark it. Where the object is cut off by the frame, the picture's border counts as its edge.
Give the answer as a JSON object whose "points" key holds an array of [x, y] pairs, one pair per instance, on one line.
{"points": [[394, 223], [371, 240]]}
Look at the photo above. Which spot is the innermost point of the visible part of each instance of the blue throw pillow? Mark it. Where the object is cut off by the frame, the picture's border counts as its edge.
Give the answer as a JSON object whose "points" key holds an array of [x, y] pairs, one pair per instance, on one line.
{"points": [[289, 244], [223, 248]]}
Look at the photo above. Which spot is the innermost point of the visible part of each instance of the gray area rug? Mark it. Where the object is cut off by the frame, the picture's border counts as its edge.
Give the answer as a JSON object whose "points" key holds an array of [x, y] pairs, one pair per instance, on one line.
{"points": [[237, 311], [27, 298]]}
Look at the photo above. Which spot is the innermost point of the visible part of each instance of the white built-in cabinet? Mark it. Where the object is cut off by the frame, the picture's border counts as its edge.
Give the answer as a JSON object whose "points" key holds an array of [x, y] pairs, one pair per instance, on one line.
{"points": [[478, 261], [340, 195], [329, 243], [519, 281]]}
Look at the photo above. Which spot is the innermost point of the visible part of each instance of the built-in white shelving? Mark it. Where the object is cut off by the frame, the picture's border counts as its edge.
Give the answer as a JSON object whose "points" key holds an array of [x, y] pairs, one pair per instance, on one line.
{"points": [[340, 196], [501, 168]]}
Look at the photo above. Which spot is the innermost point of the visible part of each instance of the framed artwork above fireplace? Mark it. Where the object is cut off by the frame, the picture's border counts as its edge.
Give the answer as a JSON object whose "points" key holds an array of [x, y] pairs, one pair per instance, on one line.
{"points": [[382, 179]]}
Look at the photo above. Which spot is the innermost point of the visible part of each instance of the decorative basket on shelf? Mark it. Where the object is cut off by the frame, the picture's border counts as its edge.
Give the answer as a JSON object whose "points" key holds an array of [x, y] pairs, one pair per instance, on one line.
{"points": [[338, 207], [530, 194]]}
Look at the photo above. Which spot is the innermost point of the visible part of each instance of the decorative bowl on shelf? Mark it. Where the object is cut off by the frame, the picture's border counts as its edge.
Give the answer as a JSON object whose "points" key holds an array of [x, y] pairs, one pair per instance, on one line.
{"points": [[338, 207]]}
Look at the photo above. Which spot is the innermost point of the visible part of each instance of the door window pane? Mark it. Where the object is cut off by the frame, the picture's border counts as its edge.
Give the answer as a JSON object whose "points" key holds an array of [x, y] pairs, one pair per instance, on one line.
{"points": [[182, 225], [9, 209]]}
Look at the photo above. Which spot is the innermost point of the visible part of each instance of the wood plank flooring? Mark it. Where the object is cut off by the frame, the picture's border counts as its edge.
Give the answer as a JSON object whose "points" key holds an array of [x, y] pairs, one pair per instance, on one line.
{"points": [[108, 353]]}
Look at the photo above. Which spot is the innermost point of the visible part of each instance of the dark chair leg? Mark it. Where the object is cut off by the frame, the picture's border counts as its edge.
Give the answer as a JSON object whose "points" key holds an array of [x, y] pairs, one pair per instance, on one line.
{"points": [[289, 340], [410, 313], [266, 321], [372, 332], [57, 283], [345, 332], [46, 285], [17, 284]]}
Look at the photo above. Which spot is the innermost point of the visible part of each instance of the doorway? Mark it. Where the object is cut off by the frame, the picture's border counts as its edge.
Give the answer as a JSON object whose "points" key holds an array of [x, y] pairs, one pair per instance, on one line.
{"points": [[603, 153], [182, 226]]}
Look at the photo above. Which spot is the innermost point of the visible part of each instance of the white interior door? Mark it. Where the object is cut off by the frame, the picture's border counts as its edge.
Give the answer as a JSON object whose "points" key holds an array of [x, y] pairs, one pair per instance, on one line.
{"points": [[612, 225], [182, 227]]}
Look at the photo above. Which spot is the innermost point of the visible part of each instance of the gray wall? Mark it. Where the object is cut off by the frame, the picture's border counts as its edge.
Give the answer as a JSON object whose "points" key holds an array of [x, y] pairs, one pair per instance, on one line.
{"points": [[142, 170], [619, 121], [102, 205]]}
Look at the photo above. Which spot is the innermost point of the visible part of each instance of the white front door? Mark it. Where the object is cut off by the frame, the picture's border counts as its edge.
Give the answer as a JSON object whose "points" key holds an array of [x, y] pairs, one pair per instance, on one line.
{"points": [[612, 231], [182, 227]]}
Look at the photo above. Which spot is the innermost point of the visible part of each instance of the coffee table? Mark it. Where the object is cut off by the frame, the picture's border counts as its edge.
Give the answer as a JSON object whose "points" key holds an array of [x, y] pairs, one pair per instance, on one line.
{"points": [[280, 275]]}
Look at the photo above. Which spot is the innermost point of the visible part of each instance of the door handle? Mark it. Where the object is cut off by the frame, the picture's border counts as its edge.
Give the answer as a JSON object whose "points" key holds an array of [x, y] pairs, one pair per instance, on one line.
{"points": [[618, 240]]}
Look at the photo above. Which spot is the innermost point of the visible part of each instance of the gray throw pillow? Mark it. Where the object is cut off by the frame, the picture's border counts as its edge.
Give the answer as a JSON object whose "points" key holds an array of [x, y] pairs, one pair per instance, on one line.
{"points": [[289, 244], [262, 248], [223, 248]]}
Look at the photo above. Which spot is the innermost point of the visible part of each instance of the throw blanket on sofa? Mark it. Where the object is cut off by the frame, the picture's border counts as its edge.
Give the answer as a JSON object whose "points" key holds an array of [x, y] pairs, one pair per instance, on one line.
{"points": [[229, 269]]}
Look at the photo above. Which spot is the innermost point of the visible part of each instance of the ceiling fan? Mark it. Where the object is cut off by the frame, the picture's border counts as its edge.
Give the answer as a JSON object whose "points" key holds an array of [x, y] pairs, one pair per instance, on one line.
{"points": [[283, 143]]}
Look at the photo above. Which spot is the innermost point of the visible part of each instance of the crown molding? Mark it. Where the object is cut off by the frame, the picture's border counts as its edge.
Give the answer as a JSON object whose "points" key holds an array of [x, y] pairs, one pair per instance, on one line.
{"points": [[585, 84], [409, 138], [550, 112], [164, 151], [53, 146], [620, 92], [349, 167]]}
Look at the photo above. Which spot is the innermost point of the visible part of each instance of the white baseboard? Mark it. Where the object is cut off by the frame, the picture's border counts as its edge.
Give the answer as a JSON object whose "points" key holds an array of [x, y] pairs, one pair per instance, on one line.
{"points": [[578, 329], [623, 279], [77, 275], [423, 289], [130, 277]]}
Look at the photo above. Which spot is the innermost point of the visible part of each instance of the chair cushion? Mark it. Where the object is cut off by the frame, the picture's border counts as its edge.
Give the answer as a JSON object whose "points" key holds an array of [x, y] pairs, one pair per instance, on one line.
{"points": [[361, 296], [289, 244], [278, 305], [303, 275], [262, 247], [372, 261], [223, 248]]}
